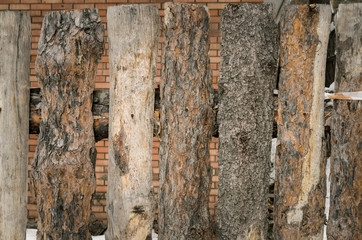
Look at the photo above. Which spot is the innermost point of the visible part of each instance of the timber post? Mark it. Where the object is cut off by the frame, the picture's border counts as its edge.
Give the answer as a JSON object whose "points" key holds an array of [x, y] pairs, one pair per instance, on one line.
{"points": [[70, 45], [346, 165], [133, 38], [300, 165], [249, 66], [15, 47], [186, 124]]}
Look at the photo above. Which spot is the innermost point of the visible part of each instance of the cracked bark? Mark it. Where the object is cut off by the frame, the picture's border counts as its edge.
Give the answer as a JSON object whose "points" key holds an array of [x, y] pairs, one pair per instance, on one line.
{"points": [[70, 45], [249, 65], [186, 124], [346, 130], [133, 37], [15, 44], [300, 165]]}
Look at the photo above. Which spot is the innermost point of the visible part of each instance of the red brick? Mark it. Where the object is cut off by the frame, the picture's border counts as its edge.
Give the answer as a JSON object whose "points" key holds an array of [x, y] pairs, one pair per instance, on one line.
{"points": [[30, 1], [116, 1], [97, 209], [101, 189], [41, 6], [4, 6], [102, 85], [82, 6], [34, 13], [19, 6], [52, 1], [12, 1], [102, 162], [95, 1], [73, 1], [62, 6]]}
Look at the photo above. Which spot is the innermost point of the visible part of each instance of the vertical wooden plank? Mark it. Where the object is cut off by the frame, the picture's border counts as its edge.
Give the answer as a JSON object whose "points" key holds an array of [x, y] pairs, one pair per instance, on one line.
{"points": [[346, 163], [300, 164], [249, 65], [70, 45], [133, 36], [15, 34], [186, 124]]}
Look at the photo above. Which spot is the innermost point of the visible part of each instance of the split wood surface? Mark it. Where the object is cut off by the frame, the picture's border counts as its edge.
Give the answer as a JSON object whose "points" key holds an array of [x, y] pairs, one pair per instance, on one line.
{"points": [[15, 38], [346, 133], [300, 164], [133, 38]]}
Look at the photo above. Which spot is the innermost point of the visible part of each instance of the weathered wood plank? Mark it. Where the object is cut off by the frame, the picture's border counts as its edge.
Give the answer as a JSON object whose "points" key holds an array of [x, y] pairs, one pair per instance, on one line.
{"points": [[133, 37], [346, 164], [249, 67], [15, 44], [70, 45], [300, 164], [186, 124]]}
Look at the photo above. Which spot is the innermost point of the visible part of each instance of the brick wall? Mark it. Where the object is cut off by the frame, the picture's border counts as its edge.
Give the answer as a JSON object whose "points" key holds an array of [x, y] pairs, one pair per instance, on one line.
{"points": [[37, 10]]}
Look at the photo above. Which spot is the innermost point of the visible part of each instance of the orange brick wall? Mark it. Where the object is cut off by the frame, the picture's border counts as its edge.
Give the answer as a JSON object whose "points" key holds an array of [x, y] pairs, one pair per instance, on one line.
{"points": [[37, 10]]}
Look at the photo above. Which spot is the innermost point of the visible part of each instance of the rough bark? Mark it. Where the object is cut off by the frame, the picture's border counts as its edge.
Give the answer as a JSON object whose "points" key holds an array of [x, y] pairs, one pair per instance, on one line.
{"points": [[300, 164], [249, 66], [70, 45], [15, 34], [186, 124], [346, 165], [133, 37]]}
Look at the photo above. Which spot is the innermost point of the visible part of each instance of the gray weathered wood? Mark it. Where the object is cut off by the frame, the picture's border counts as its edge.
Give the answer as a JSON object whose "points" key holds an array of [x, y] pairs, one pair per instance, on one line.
{"points": [[133, 37], [70, 46], [186, 124], [345, 220], [15, 34], [249, 63], [300, 164]]}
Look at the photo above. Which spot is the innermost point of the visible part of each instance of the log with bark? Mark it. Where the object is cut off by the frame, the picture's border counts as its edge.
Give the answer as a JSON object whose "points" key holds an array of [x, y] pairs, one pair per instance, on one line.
{"points": [[70, 46], [346, 164], [15, 44], [133, 38], [300, 164], [249, 67], [186, 124]]}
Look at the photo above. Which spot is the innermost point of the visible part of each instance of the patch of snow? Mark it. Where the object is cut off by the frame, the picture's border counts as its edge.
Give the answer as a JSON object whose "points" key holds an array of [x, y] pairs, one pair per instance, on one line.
{"points": [[31, 235], [272, 160], [328, 195]]}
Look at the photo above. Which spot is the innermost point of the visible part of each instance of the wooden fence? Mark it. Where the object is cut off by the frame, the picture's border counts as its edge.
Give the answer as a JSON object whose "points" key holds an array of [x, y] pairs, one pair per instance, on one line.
{"points": [[70, 46]]}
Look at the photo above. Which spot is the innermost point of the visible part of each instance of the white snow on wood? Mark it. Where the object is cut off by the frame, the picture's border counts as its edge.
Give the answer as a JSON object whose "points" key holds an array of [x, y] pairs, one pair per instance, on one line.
{"points": [[328, 194], [31, 235]]}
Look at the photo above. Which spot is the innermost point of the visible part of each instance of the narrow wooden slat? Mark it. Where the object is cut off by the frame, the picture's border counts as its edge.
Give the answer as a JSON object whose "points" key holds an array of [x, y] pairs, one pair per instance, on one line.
{"points": [[15, 44]]}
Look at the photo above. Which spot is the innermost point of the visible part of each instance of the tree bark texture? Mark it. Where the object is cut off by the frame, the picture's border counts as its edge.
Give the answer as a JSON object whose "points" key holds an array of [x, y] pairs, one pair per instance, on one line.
{"points": [[186, 124], [346, 165], [249, 66], [300, 164], [133, 36], [70, 45], [15, 44]]}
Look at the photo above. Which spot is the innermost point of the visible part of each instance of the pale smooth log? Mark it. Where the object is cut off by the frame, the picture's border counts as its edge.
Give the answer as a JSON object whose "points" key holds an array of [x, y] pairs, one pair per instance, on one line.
{"points": [[345, 214], [300, 187], [70, 46], [186, 124], [249, 67], [15, 44], [133, 38]]}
